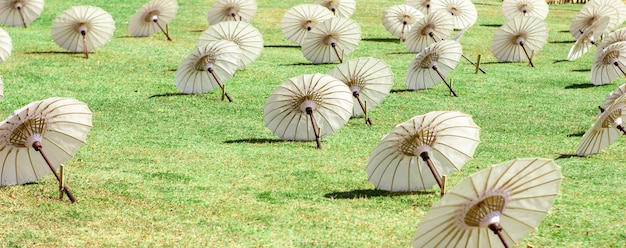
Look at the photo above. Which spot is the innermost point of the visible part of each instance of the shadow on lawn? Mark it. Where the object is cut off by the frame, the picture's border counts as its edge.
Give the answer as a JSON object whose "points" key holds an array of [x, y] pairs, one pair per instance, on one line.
{"points": [[580, 86], [564, 156], [388, 40], [369, 193], [283, 46], [254, 141], [170, 94], [491, 25]]}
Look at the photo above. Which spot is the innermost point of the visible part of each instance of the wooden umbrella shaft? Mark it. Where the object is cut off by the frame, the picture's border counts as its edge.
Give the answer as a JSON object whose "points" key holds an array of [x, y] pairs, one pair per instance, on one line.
{"points": [[497, 229], [85, 44], [530, 60], [334, 46], [474, 64], [19, 9], [358, 98], [220, 84], [620, 68], [444, 80], [621, 128], [38, 147], [167, 35], [426, 158], [309, 112]]}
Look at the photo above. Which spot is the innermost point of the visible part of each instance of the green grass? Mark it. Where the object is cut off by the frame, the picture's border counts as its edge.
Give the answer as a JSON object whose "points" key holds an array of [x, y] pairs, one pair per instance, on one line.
{"points": [[161, 169]]}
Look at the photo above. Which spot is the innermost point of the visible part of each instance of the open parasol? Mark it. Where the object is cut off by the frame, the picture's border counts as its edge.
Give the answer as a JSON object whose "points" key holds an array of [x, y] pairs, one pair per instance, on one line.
{"points": [[232, 10], [208, 67], [432, 28], [308, 107], [509, 199], [417, 152], [83, 29], [331, 40], [6, 45], [433, 64], [518, 38], [516, 8], [607, 128], [589, 14], [619, 5], [588, 38], [614, 95], [152, 17], [609, 64], [613, 37], [399, 19], [421, 5], [246, 36], [58, 125], [369, 79], [300, 19], [20, 12], [340, 8], [463, 12]]}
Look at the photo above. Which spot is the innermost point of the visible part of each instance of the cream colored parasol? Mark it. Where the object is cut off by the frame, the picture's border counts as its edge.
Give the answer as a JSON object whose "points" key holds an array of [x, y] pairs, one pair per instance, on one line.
{"points": [[589, 15], [434, 27], [300, 19], [422, 5], [246, 36], [20, 12], [83, 29], [331, 40], [399, 19], [463, 12], [517, 38], [232, 10], [613, 37], [152, 17], [588, 38], [6, 46], [516, 8], [607, 128], [433, 64], [444, 140], [340, 8], [608, 64], [614, 95]]}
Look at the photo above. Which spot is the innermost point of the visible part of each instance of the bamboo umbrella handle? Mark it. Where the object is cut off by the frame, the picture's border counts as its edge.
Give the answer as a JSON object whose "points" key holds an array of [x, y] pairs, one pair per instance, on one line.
{"points": [[37, 146]]}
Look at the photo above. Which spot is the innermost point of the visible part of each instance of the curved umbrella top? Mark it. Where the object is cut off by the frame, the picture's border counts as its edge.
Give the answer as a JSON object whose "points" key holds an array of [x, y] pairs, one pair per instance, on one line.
{"points": [[607, 128], [443, 55], [513, 196], [232, 10], [151, 17], [399, 19], [193, 75], [6, 45], [617, 4], [340, 8], [60, 125], [612, 97], [530, 31], [331, 40], [370, 79], [449, 138], [609, 64], [589, 14], [20, 12], [328, 100], [434, 27], [613, 37], [421, 5], [588, 38], [300, 19], [517, 8], [96, 24], [463, 11], [246, 36]]}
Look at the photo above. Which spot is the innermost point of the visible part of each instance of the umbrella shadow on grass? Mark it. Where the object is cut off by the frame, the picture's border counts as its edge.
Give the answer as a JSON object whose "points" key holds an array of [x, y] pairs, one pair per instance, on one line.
{"points": [[369, 193], [171, 94], [562, 42], [565, 156], [282, 46], [492, 25], [388, 40], [54, 52], [582, 86], [254, 141]]}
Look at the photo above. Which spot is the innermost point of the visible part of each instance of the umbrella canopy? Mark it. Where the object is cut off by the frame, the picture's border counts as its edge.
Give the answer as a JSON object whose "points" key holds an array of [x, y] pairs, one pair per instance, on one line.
{"points": [[463, 11], [614, 95], [613, 37], [608, 64], [340, 8], [399, 19], [369, 79], [516, 8], [58, 125], [433, 27], [209, 66], [444, 140], [331, 40], [589, 14], [6, 46], [83, 29], [607, 128], [422, 5], [232, 10], [300, 19], [509, 199], [151, 18], [588, 38], [308, 107], [20, 12], [617, 4], [246, 36], [433, 64], [518, 37]]}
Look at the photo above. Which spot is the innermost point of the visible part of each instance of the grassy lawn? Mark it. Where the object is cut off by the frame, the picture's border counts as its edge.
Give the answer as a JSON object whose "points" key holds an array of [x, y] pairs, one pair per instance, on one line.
{"points": [[165, 169]]}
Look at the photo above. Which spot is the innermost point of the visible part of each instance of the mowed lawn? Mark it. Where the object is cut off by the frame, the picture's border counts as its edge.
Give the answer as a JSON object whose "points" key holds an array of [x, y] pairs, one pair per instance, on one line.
{"points": [[163, 169]]}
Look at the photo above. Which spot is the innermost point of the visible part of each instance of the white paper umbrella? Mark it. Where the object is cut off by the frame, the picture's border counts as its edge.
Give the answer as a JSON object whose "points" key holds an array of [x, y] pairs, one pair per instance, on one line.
{"points": [[417, 152], [517, 38], [308, 107], [300, 19], [509, 199], [331, 40], [617, 4], [232, 10], [433, 64], [6, 45], [432, 28], [588, 38], [83, 29], [209, 66], [57, 125], [422, 5], [463, 11], [609, 64], [246, 36], [20, 12], [340, 8], [607, 128], [614, 95], [369, 79], [399, 19], [613, 37], [517, 8], [152, 17], [588, 15]]}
